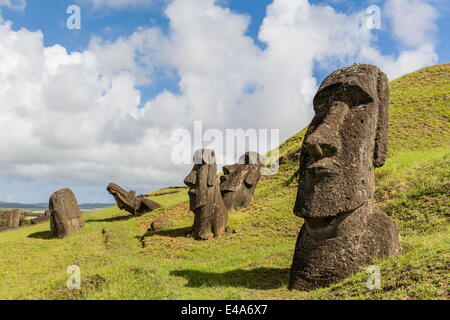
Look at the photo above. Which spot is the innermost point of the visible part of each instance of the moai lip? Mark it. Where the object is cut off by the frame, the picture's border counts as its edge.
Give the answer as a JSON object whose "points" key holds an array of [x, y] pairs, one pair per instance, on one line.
{"points": [[345, 141]]}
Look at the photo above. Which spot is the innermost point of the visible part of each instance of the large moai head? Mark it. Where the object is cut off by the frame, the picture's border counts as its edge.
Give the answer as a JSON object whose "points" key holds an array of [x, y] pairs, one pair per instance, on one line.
{"points": [[345, 141], [124, 199], [239, 180], [14, 218], [211, 216], [202, 179], [10, 219], [65, 214]]}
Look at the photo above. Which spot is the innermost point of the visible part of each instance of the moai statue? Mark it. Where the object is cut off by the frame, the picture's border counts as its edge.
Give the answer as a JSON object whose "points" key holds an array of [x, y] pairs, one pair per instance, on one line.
{"points": [[211, 216], [128, 201], [11, 219], [345, 141], [41, 219], [239, 180], [65, 214]]}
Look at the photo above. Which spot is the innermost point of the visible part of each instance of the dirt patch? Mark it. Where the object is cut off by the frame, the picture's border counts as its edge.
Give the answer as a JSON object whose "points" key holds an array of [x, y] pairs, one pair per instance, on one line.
{"points": [[88, 285], [106, 237], [177, 211]]}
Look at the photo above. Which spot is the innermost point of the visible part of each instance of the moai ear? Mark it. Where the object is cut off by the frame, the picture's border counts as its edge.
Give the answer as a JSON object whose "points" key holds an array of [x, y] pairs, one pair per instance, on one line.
{"points": [[381, 136], [212, 174]]}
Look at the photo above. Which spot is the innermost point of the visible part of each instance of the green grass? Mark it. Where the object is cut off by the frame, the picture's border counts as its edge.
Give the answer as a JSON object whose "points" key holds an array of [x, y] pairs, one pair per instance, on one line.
{"points": [[419, 109], [120, 259]]}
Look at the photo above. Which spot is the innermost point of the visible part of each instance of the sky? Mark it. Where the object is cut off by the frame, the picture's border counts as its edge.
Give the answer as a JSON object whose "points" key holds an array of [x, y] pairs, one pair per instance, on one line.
{"points": [[84, 107]]}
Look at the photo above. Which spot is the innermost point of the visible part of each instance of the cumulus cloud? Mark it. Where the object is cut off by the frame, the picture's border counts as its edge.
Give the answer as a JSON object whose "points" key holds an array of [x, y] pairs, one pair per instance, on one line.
{"points": [[413, 21], [13, 4], [414, 26], [80, 119], [68, 117], [228, 81]]}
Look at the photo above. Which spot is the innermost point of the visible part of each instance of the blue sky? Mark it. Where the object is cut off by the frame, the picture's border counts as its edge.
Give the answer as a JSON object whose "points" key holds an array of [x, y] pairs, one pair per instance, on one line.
{"points": [[247, 78]]}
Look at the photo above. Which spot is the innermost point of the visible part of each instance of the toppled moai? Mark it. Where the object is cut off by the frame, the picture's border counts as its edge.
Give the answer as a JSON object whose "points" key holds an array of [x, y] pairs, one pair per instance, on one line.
{"points": [[10, 219], [128, 201], [211, 216], [239, 180], [65, 214], [346, 140], [41, 219]]}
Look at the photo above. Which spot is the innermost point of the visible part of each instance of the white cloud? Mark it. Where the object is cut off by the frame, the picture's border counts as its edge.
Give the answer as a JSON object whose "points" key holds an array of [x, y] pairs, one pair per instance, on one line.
{"points": [[413, 24], [413, 21], [75, 118], [14, 4], [67, 117]]}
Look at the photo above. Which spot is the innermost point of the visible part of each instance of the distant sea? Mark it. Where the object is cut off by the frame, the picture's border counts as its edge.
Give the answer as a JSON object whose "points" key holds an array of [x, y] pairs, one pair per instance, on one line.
{"points": [[44, 206]]}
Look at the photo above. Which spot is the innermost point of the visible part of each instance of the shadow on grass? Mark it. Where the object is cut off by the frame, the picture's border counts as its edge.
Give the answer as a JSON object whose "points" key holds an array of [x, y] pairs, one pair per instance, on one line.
{"points": [[46, 235], [114, 219], [172, 233], [259, 278]]}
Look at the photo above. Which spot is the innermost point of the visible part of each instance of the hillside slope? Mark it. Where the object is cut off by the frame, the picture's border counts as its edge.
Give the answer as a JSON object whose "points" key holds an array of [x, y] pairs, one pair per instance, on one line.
{"points": [[119, 259]]}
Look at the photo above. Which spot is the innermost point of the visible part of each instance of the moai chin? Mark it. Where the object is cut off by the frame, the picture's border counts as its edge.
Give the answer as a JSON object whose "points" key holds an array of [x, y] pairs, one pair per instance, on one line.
{"points": [[345, 141], [239, 180], [211, 216], [128, 201], [65, 214]]}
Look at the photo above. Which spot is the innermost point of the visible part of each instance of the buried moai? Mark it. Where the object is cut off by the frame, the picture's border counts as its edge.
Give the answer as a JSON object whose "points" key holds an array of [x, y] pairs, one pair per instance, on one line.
{"points": [[346, 140], [128, 201], [239, 180], [211, 216], [10, 219], [65, 214]]}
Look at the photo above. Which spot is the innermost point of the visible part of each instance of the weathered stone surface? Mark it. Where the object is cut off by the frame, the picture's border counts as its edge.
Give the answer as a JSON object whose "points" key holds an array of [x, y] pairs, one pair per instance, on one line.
{"points": [[128, 201], [159, 224], [65, 214], [211, 216], [347, 138], [10, 219], [239, 180]]}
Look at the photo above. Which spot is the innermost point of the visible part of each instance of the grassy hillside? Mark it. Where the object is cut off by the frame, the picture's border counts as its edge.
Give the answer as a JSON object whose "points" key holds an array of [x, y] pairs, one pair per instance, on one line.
{"points": [[119, 259]]}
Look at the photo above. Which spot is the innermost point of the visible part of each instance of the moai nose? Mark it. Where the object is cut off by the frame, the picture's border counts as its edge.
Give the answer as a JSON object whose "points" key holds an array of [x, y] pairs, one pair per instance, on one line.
{"points": [[325, 140], [315, 150], [191, 179]]}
